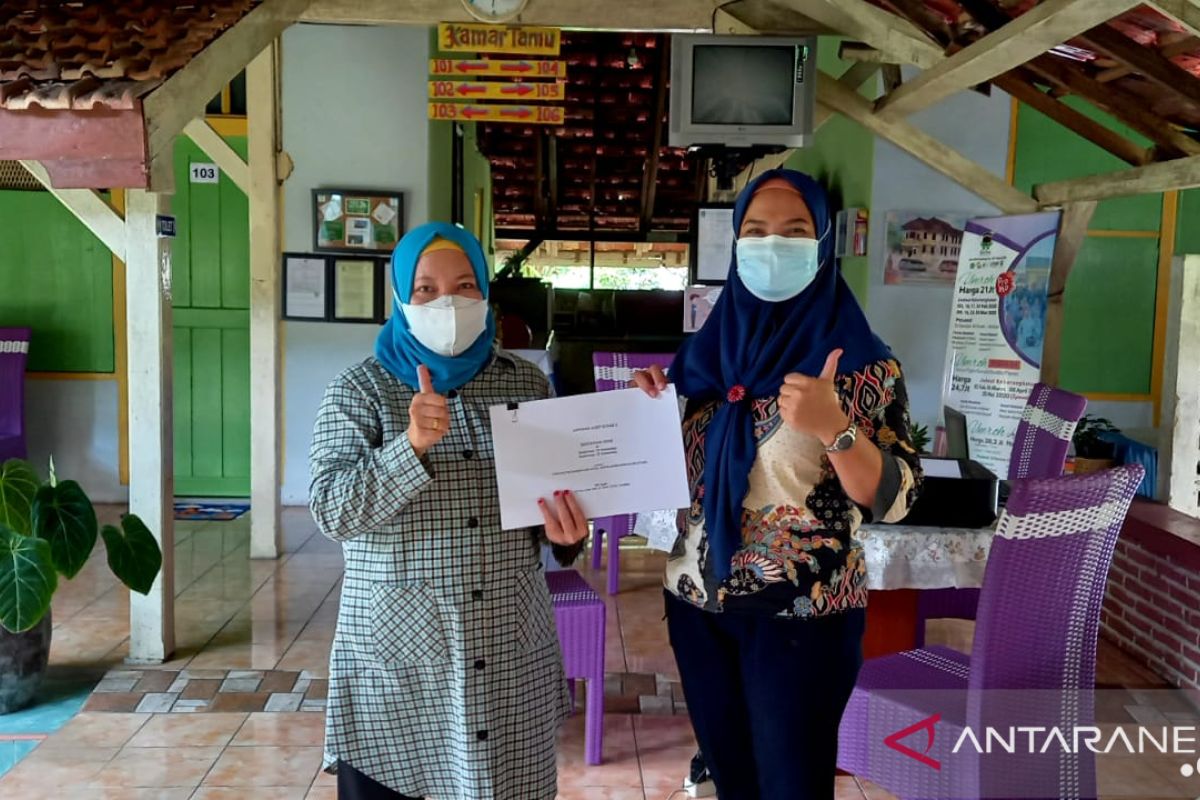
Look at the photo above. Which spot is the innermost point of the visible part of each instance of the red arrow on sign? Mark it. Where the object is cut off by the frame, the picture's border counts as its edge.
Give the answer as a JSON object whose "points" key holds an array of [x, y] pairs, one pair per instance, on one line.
{"points": [[470, 66], [471, 113], [519, 114], [517, 66], [467, 89], [520, 88]]}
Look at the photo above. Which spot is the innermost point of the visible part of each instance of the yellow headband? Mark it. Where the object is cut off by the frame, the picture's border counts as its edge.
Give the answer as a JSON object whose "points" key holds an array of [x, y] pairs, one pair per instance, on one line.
{"points": [[441, 244]]}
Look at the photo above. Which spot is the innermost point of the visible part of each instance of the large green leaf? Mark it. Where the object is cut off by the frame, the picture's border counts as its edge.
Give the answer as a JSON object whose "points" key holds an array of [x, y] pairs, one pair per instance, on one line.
{"points": [[133, 554], [63, 516], [27, 580], [18, 485]]}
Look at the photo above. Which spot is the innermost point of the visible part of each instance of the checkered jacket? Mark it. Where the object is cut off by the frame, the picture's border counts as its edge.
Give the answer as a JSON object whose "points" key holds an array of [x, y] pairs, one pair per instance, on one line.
{"points": [[446, 677]]}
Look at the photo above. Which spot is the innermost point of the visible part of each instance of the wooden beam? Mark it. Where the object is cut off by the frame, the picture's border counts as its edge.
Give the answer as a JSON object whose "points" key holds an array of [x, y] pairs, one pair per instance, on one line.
{"points": [[1153, 66], [659, 110], [925, 18], [1185, 12], [624, 15], [184, 95], [1100, 135], [768, 18], [151, 446], [79, 149], [1182, 173], [1128, 108], [1030, 35], [1179, 447], [262, 97], [924, 148], [219, 150], [892, 78], [1188, 43], [857, 51], [1072, 231], [90, 208], [899, 39]]}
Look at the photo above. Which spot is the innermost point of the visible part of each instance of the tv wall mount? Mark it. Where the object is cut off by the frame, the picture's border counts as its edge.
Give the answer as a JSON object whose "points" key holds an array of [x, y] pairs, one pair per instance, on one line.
{"points": [[726, 163]]}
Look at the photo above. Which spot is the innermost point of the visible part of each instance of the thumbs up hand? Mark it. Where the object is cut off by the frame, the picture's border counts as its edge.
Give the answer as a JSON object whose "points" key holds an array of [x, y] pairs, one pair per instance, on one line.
{"points": [[811, 405], [428, 414]]}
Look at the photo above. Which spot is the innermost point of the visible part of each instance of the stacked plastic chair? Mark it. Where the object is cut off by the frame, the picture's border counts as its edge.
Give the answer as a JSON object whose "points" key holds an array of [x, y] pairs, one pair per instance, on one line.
{"points": [[615, 371], [1039, 451], [1033, 660], [14, 353], [579, 613]]}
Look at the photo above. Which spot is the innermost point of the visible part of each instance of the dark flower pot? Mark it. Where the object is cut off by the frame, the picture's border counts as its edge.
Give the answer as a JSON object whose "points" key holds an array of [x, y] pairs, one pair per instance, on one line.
{"points": [[23, 659]]}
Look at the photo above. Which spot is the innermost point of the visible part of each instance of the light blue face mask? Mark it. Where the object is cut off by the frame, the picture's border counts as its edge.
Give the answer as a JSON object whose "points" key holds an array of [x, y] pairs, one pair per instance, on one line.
{"points": [[777, 268]]}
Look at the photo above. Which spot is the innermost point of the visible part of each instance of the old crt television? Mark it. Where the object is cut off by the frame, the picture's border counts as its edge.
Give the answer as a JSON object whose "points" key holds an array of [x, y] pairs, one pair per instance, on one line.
{"points": [[741, 91]]}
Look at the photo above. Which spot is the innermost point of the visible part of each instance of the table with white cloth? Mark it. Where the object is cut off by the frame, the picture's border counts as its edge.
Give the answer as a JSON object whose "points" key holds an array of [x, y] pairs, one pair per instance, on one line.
{"points": [[901, 561]]}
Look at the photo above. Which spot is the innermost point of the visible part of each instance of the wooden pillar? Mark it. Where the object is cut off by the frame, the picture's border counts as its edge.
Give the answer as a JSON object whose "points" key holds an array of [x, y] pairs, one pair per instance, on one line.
{"points": [[1179, 442], [265, 361], [1071, 233], [151, 448]]}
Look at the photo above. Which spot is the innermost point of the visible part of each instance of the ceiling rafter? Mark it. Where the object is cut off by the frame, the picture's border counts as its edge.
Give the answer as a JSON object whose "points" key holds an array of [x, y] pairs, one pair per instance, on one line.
{"points": [[1153, 66], [1036, 31], [1187, 44], [903, 41]]}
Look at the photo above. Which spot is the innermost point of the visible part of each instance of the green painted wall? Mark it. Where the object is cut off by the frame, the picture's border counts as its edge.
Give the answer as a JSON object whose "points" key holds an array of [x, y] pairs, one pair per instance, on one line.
{"points": [[56, 279], [1108, 336], [842, 157]]}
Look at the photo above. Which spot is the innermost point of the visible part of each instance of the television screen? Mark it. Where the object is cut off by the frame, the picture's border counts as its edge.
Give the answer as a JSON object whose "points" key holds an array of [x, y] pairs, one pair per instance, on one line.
{"points": [[743, 85]]}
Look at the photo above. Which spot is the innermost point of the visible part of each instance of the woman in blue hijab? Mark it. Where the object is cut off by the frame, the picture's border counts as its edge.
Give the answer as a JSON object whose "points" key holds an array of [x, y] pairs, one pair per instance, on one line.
{"points": [[445, 676], [796, 431]]}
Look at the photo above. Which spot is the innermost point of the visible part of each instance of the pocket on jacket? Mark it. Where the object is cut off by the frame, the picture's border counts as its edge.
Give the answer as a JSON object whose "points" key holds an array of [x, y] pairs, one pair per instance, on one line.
{"points": [[406, 627], [535, 623]]}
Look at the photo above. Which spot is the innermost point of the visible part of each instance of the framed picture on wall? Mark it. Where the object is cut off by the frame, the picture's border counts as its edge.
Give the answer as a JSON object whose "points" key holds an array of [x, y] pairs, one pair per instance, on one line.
{"points": [[362, 221], [712, 243], [305, 287], [319, 287]]}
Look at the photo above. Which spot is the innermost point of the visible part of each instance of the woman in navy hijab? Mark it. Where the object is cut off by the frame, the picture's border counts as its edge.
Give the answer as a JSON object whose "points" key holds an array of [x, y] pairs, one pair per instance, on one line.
{"points": [[796, 432]]}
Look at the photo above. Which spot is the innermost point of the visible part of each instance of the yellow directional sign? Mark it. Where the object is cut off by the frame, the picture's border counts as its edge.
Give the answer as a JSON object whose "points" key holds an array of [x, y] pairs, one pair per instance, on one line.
{"points": [[495, 90], [456, 37], [466, 69], [489, 112]]}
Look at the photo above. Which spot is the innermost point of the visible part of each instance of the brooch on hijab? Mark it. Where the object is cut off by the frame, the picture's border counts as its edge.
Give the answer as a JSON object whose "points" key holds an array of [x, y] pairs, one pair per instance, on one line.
{"points": [[737, 394]]}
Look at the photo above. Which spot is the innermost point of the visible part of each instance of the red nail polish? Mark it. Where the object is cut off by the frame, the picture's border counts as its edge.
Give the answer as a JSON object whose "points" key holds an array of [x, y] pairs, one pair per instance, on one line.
{"points": [[558, 494], [541, 502]]}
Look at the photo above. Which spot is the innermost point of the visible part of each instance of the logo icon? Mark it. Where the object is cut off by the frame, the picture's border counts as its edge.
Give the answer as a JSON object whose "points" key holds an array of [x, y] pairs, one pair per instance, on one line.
{"points": [[929, 726]]}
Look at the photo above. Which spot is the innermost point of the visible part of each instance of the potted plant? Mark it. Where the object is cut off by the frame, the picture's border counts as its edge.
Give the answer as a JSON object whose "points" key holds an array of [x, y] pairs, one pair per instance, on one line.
{"points": [[920, 438], [1092, 451], [47, 529]]}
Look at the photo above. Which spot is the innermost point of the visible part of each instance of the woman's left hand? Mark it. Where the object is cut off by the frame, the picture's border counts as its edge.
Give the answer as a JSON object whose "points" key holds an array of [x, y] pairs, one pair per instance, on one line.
{"points": [[565, 521], [811, 405]]}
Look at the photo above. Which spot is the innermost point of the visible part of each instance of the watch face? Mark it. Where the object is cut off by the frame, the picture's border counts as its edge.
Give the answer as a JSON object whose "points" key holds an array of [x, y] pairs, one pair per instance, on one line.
{"points": [[495, 10]]}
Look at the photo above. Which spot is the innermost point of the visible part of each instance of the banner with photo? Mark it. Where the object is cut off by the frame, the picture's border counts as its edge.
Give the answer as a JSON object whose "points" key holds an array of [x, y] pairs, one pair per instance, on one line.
{"points": [[997, 328], [923, 247]]}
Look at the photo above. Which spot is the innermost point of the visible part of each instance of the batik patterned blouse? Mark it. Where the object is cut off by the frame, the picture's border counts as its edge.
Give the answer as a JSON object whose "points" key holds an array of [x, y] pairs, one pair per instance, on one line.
{"points": [[798, 558]]}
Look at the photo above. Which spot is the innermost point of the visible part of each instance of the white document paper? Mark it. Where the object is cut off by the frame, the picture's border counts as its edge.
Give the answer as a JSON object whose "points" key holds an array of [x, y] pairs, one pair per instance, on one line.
{"points": [[941, 468], [306, 287], [714, 243], [620, 453]]}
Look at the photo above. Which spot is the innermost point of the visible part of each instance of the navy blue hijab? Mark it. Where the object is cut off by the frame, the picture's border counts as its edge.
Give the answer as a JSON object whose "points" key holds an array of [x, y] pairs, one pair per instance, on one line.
{"points": [[397, 349], [753, 344]]}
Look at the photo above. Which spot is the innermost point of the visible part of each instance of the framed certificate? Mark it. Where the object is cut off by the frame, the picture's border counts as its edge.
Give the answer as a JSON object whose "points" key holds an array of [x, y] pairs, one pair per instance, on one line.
{"points": [[305, 287], [712, 244], [355, 294], [364, 221]]}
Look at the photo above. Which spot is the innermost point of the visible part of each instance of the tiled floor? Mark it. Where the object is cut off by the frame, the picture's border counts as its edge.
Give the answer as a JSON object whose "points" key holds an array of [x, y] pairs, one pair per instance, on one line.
{"points": [[254, 639]]}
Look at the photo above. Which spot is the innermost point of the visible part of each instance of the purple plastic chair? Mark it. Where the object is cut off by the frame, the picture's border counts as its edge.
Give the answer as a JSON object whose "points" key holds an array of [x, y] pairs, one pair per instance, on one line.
{"points": [[14, 353], [579, 613], [615, 371], [1033, 659], [1039, 451]]}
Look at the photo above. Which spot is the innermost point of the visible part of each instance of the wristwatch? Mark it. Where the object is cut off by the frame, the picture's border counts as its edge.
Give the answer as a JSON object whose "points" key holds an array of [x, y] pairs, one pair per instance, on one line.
{"points": [[844, 440]]}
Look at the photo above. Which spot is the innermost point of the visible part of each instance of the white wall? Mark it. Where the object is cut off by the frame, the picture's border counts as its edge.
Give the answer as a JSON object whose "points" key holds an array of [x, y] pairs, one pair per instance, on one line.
{"points": [[915, 320], [76, 423], [353, 117]]}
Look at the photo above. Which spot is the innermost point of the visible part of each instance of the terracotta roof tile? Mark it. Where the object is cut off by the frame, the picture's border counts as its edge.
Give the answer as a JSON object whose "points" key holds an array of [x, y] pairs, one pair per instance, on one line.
{"points": [[86, 54]]}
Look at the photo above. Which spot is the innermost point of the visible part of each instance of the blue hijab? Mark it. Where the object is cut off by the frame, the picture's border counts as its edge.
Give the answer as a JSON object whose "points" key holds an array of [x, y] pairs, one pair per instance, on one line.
{"points": [[754, 344], [397, 349]]}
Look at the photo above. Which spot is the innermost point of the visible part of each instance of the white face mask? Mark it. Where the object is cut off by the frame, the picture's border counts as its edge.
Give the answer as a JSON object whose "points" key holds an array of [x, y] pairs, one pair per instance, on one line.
{"points": [[448, 325], [777, 268]]}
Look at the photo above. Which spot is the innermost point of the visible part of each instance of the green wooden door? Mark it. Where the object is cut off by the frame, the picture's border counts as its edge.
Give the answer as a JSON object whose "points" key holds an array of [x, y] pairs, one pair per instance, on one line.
{"points": [[212, 331]]}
